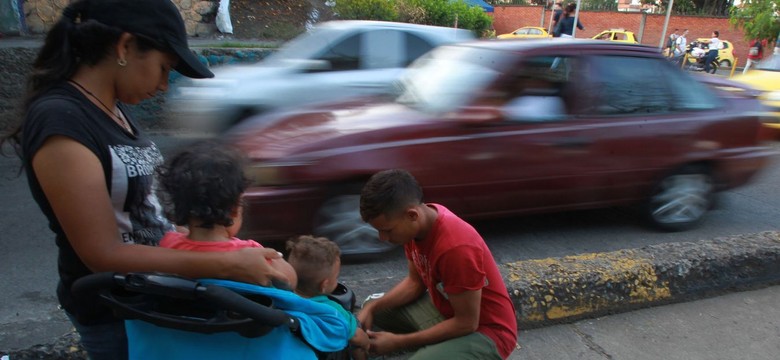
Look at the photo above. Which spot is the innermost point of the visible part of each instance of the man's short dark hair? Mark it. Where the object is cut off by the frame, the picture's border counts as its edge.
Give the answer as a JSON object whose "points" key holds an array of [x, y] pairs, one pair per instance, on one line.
{"points": [[389, 192], [717, 33]]}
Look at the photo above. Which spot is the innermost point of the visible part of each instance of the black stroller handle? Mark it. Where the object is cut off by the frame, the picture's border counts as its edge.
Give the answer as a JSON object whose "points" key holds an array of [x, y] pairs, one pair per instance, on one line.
{"points": [[233, 301], [94, 282], [181, 303]]}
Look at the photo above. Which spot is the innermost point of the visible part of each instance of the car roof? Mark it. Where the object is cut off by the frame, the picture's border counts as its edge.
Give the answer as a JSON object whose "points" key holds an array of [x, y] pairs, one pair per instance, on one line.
{"points": [[566, 43]]}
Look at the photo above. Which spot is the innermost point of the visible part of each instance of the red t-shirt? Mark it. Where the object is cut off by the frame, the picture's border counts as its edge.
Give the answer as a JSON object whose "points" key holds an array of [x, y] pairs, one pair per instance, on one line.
{"points": [[177, 240], [454, 258]]}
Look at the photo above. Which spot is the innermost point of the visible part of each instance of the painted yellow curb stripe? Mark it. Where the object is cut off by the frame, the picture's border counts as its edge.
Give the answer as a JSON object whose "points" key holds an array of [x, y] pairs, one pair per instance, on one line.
{"points": [[574, 286]]}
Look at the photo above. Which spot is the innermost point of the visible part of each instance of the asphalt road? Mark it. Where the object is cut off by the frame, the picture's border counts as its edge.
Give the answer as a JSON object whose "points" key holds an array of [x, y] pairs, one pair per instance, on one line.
{"points": [[28, 308]]}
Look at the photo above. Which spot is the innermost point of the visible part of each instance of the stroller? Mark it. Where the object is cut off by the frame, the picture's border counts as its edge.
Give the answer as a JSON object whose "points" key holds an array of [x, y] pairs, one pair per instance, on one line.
{"points": [[170, 317]]}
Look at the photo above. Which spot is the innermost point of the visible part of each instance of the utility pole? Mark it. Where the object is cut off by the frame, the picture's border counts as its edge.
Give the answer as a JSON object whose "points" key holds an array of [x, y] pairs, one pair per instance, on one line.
{"points": [[666, 24]]}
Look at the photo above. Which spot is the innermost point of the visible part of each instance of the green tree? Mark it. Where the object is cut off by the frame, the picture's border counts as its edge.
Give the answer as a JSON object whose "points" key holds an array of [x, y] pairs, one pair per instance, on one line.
{"points": [[695, 7], [366, 10], [599, 5], [427, 12], [758, 19]]}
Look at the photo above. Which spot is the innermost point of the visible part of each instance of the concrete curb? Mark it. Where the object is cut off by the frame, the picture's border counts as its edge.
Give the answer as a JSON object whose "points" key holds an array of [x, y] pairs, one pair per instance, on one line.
{"points": [[566, 289]]}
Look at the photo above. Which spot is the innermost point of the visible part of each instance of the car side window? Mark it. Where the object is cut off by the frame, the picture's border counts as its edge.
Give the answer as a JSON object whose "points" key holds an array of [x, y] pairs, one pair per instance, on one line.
{"points": [[344, 55], [689, 94], [537, 91], [382, 49], [623, 85], [415, 47]]}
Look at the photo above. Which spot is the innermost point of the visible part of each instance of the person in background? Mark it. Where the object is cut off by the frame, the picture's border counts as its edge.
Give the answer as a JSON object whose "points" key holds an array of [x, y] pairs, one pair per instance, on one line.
{"points": [[755, 53], [317, 262], [671, 44], [453, 303], [201, 188], [565, 26], [712, 54], [556, 15], [90, 168], [680, 47]]}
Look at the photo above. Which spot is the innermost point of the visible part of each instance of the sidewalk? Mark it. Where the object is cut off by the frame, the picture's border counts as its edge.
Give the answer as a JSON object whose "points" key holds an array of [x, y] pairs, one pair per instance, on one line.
{"points": [[744, 325]]}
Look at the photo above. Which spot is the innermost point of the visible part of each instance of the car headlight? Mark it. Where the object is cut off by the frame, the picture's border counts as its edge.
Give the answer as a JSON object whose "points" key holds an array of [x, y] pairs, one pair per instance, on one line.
{"points": [[772, 95], [271, 174]]}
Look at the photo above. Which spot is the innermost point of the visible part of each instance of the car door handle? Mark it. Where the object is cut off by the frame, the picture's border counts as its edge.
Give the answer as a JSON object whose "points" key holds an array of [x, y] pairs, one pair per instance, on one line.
{"points": [[573, 142]]}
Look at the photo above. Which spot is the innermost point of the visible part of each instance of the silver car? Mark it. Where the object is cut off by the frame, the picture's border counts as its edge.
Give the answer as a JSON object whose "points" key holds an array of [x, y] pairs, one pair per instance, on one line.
{"points": [[333, 61]]}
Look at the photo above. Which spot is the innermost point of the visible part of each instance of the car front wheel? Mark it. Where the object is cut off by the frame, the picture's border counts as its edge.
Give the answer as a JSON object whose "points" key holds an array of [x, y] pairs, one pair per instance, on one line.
{"points": [[681, 200], [725, 64], [339, 220]]}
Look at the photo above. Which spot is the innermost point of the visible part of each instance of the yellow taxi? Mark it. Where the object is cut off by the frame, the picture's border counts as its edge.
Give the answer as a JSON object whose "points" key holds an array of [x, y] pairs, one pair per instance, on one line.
{"points": [[527, 32], [725, 53], [619, 35], [766, 78]]}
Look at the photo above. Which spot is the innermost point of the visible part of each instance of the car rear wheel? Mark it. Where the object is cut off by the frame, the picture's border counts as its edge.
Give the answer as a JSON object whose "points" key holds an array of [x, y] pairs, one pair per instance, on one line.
{"points": [[681, 200], [725, 64], [339, 220]]}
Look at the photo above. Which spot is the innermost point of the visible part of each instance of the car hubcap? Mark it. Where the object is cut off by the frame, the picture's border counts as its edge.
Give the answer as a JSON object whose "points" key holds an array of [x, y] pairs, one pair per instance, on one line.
{"points": [[682, 199]]}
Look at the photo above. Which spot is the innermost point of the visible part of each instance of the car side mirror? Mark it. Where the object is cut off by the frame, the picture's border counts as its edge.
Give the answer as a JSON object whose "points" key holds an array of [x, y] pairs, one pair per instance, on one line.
{"points": [[535, 108]]}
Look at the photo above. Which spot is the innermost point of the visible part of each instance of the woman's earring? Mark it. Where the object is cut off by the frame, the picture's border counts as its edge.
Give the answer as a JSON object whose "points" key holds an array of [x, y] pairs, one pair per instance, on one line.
{"points": [[121, 62]]}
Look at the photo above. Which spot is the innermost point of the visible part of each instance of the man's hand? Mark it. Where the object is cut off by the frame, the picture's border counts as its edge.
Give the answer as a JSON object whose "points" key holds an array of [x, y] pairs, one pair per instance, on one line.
{"points": [[383, 342], [366, 317]]}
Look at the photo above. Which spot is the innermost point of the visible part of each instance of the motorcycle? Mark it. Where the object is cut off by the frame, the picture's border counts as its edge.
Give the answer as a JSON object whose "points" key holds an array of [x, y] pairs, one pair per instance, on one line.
{"points": [[696, 55]]}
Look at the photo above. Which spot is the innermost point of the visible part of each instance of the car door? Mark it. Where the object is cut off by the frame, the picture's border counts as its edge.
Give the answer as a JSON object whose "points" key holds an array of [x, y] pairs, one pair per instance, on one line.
{"points": [[620, 129], [641, 121], [520, 163]]}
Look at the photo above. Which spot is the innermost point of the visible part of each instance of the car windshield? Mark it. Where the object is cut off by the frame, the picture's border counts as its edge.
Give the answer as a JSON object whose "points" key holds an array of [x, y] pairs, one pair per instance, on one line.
{"points": [[771, 64], [449, 77]]}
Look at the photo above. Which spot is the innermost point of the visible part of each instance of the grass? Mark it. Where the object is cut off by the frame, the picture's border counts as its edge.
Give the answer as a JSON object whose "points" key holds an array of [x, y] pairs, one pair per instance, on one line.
{"points": [[239, 44]]}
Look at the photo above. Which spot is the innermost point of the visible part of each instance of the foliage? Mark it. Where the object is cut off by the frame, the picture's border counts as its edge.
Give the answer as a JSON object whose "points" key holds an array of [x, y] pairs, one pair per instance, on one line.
{"points": [[695, 7], [428, 12], [758, 19], [366, 10], [237, 45], [599, 5]]}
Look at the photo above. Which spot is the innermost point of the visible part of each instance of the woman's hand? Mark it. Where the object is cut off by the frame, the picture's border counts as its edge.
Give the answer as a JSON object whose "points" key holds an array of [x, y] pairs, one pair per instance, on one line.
{"points": [[251, 265]]}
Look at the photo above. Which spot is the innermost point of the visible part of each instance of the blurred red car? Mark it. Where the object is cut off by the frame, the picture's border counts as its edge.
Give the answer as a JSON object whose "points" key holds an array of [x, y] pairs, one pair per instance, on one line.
{"points": [[506, 128]]}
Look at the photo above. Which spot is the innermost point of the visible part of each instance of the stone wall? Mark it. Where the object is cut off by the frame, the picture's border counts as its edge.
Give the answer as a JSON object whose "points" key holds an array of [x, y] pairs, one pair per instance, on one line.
{"points": [[151, 114], [198, 16]]}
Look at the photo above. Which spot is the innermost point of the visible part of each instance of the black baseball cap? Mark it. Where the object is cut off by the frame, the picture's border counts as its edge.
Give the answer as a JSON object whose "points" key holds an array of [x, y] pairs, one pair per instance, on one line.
{"points": [[158, 20]]}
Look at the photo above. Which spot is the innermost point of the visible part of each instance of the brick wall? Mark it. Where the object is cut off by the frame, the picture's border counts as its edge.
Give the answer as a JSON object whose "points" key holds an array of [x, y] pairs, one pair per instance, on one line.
{"points": [[509, 18]]}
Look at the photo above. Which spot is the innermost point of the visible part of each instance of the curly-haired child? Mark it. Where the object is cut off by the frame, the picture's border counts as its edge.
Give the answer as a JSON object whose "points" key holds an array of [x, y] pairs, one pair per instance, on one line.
{"points": [[201, 188]]}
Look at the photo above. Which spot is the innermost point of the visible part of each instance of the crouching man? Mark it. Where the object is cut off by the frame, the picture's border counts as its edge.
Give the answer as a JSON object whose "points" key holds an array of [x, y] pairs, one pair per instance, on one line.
{"points": [[453, 303]]}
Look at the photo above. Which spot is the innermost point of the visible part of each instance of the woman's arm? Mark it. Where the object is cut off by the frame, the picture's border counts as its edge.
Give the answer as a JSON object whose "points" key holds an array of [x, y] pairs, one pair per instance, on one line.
{"points": [[72, 178]]}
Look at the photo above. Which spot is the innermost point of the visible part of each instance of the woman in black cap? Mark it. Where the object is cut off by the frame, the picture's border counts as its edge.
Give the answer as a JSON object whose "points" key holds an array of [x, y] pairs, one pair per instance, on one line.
{"points": [[90, 168]]}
